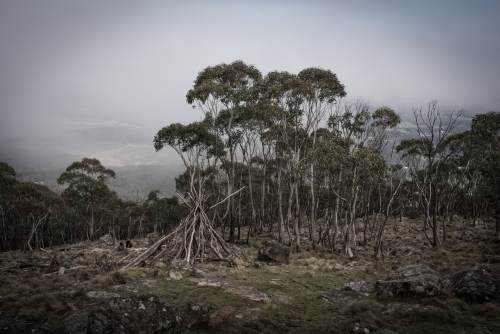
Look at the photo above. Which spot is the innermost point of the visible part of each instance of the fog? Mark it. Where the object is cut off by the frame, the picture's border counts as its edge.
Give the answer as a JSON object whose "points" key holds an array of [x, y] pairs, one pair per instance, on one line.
{"points": [[100, 78]]}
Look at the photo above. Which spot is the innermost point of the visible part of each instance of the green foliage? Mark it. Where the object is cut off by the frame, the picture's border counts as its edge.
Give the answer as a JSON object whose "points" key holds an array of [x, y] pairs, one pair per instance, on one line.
{"points": [[86, 181]]}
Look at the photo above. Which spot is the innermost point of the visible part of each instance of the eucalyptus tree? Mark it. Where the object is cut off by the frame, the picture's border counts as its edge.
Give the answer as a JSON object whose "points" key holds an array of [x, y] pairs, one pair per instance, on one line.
{"points": [[194, 235], [320, 92], [87, 188], [426, 155], [249, 147], [279, 89], [198, 148], [478, 152], [361, 137], [7, 200], [38, 206], [222, 92]]}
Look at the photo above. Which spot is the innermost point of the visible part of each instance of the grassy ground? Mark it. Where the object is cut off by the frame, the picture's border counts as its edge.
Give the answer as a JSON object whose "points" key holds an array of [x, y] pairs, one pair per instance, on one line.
{"points": [[300, 287]]}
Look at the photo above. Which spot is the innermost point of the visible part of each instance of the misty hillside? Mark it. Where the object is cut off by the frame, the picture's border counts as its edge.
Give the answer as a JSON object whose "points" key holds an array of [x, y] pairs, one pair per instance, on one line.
{"points": [[55, 142]]}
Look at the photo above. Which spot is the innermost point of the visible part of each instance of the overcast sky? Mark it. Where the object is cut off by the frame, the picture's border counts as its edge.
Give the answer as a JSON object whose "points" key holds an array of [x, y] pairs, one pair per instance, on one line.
{"points": [[134, 61]]}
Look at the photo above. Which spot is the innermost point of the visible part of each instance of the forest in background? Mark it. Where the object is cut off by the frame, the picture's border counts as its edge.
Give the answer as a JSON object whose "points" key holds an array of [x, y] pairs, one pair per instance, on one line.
{"points": [[132, 182], [285, 155]]}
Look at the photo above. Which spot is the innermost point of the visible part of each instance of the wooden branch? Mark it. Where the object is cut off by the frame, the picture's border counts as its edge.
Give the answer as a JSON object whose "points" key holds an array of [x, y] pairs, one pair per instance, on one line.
{"points": [[150, 250], [124, 258], [213, 206]]}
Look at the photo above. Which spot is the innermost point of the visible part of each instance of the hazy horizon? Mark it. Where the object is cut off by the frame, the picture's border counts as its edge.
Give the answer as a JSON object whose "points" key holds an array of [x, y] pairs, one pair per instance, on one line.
{"points": [[92, 78]]}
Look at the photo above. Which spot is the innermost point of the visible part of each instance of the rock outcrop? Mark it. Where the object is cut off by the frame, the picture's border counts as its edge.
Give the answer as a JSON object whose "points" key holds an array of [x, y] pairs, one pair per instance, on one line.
{"points": [[415, 279], [145, 314], [477, 284], [274, 251]]}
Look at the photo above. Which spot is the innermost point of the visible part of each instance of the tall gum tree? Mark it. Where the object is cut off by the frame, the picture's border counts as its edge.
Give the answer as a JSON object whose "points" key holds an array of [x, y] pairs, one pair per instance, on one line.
{"points": [[86, 181], [323, 90], [228, 88], [359, 135]]}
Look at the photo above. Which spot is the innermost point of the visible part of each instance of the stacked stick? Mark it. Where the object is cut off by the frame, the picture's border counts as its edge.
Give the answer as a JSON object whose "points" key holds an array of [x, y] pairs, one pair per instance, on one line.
{"points": [[193, 239]]}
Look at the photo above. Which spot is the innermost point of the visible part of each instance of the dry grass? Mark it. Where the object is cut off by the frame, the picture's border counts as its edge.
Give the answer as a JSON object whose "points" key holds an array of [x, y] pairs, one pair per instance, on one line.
{"points": [[304, 279]]}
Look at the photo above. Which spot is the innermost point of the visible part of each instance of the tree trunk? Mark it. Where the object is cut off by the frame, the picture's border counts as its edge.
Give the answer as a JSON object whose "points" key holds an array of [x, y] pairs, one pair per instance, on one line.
{"points": [[281, 229], [297, 218]]}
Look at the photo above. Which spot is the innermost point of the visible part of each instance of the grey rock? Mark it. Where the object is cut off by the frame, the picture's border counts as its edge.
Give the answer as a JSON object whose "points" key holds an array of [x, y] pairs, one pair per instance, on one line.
{"points": [[361, 286], [77, 322], [274, 251], [415, 279], [367, 328], [201, 273], [347, 297], [402, 308], [467, 232], [175, 275], [137, 286], [106, 239], [478, 284], [49, 327], [431, 309], [101, 294], [145, 314]]}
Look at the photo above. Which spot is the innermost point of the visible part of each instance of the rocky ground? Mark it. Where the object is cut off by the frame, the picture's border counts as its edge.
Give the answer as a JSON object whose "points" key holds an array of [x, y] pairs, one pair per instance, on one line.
{"points": [[416, 289]]}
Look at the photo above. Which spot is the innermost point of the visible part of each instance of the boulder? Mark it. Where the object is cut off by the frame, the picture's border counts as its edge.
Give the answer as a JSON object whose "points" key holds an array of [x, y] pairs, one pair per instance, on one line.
{"points": [[367, 328], [106, 239], [361, 286], [77, 322], [346, 297], [401, 308], [49, 327], [143, 314], [175, 275], [274, 251], [415, 279], [101, 294], [478, 284]]}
